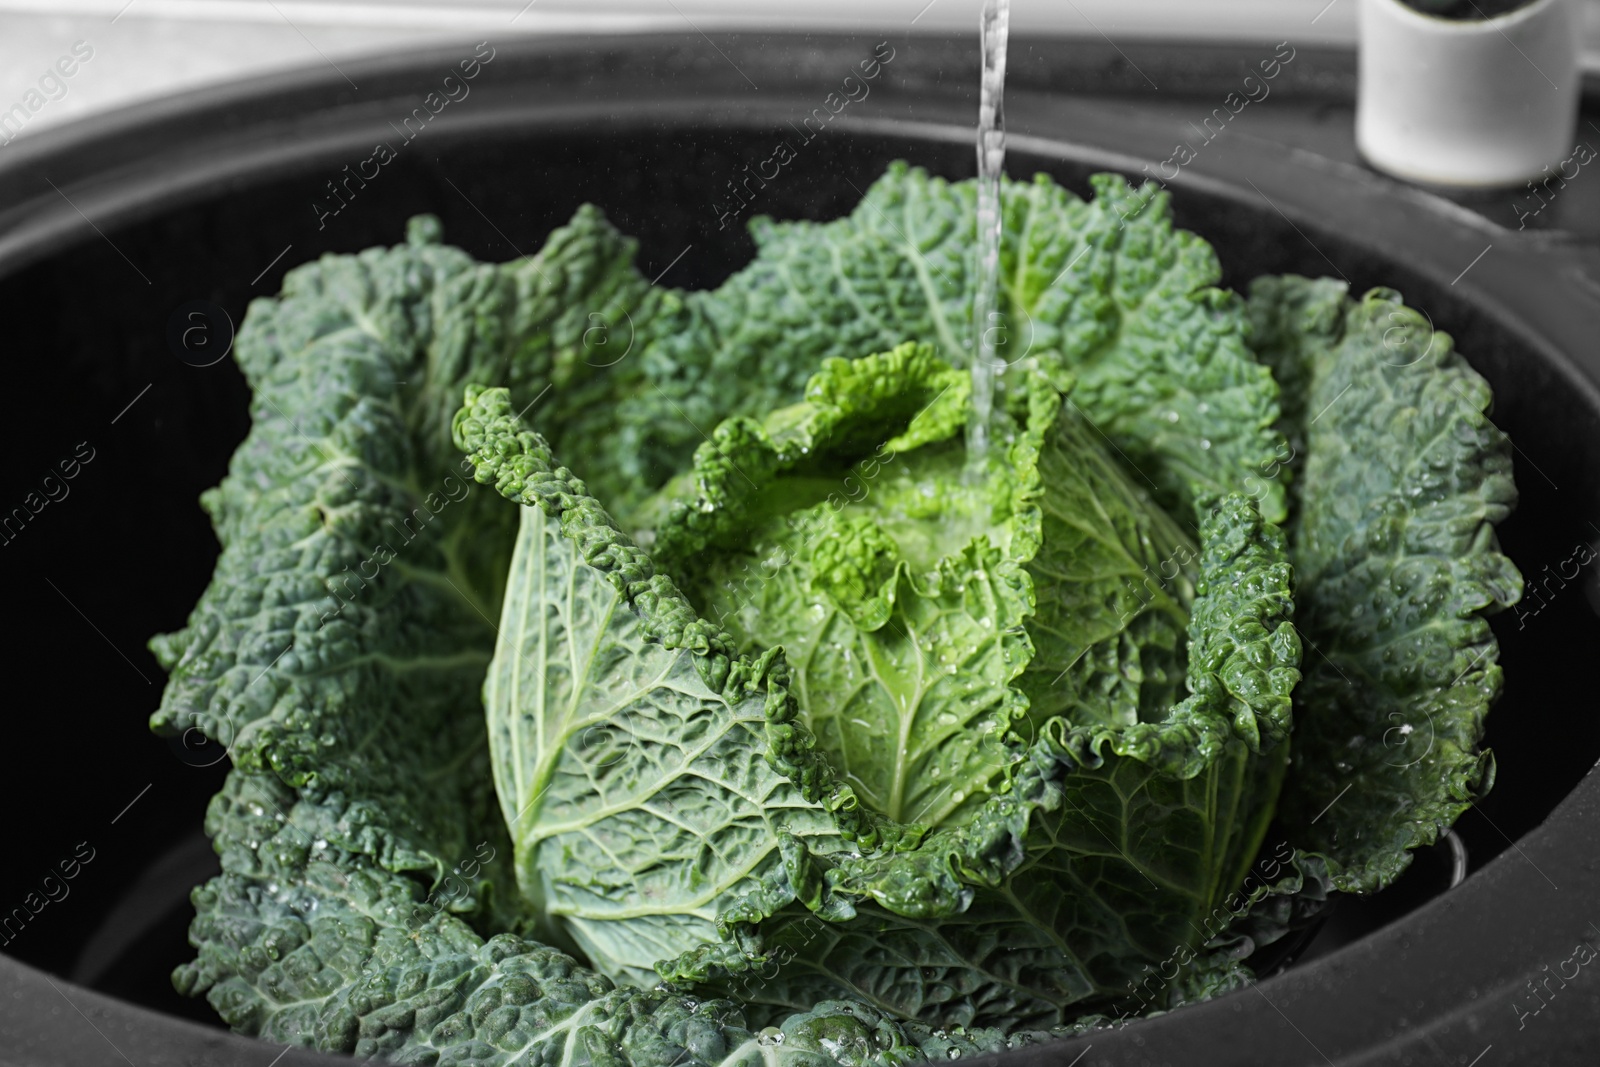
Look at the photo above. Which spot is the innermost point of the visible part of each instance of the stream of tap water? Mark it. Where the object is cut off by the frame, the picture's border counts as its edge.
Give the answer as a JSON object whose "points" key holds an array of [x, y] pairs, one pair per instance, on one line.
{"points": [[988, 326]]}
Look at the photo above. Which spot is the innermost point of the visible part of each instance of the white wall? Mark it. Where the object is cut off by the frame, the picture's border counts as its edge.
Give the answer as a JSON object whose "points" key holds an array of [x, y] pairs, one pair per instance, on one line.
{"points": [[143, 48]]}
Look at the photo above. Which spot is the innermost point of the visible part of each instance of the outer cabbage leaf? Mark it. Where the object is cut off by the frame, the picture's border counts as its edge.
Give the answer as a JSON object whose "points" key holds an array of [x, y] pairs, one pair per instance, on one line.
{"points": [[358, 566], [1108, 291], [629, 744], [583, 800], [307, 944], [1399, 481]]}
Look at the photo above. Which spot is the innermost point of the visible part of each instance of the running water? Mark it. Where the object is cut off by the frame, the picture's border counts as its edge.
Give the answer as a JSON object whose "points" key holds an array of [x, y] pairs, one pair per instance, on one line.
{"points": [[988, 327]]}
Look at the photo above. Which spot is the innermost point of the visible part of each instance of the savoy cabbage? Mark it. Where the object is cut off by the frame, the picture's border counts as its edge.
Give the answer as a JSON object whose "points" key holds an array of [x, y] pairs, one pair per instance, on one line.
{"points": [[760, 730]]}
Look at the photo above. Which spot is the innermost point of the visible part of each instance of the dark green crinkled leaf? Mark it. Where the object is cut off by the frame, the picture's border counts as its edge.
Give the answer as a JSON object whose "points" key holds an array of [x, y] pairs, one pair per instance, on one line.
{"points": [[307, 944], [1109, 291], [1400, 482], [359, 563]]}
